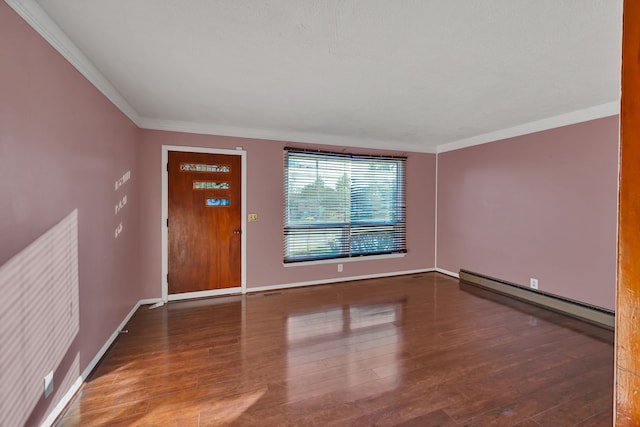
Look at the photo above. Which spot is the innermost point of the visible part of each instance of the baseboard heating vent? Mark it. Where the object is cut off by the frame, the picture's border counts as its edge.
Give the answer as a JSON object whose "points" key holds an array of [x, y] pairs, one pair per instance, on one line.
{"points": [[589, 313]]}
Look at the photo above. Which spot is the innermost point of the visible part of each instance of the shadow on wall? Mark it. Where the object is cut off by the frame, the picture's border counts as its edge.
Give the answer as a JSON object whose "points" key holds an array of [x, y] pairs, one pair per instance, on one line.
{"points": [[39, 320]]}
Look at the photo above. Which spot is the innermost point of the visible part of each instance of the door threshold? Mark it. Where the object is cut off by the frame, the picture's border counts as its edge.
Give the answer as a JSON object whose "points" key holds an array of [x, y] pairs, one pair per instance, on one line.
{"points": [[204, 294]]}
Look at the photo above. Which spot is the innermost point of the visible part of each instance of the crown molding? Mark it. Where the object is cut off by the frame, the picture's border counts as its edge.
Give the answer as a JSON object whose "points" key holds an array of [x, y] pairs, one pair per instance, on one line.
{"points": [[278, 135], [40, 21], [579, 116]]}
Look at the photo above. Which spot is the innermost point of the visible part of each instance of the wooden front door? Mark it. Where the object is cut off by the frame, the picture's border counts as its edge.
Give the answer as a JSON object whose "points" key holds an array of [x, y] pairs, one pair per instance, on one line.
{"points": [[205, 212]]}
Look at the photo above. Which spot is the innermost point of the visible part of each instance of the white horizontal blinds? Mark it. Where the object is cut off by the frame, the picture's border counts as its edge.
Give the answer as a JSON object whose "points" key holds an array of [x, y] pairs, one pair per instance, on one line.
{"points": [[339, 205], [377, 206], [317, 206]]}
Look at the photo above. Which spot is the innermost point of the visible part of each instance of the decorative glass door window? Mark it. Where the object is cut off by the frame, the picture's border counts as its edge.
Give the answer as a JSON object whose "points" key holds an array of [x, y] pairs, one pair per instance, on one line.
{"points": [[217, 202], [210, 185], [199, 167]]}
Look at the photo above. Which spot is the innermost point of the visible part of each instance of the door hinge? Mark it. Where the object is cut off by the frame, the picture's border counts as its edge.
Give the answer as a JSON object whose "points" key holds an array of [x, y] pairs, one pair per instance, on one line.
{"points": [[167, 167], [167, 222]]}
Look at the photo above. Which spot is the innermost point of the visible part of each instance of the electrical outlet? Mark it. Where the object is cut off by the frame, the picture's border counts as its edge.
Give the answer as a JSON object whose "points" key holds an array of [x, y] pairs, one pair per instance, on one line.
{"points": [[533, 283], [48, 384], [339, 268], [253, 217]]}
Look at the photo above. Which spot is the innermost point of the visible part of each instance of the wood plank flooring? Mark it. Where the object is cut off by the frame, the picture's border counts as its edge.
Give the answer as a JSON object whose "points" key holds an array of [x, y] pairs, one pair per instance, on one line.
{"points": [[418, 350]]}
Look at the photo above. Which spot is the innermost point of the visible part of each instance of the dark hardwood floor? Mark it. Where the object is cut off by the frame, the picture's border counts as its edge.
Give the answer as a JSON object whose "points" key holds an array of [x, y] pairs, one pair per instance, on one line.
{"points": [[419, 350]]}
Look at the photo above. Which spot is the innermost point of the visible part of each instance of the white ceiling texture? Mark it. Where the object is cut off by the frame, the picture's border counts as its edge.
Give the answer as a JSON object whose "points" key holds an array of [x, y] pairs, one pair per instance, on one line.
{"points": [[411, 75]]}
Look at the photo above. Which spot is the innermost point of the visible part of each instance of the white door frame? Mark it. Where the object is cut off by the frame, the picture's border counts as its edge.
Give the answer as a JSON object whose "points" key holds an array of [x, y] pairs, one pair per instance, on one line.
{"points": [[165, 215]]}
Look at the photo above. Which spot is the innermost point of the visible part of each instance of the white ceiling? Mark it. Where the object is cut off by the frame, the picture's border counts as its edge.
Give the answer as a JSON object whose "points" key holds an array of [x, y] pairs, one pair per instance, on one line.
{"points": [[413, 75]]}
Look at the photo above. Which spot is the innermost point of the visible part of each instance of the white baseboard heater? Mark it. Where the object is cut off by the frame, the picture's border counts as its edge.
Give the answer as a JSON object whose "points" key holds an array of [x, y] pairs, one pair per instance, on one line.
{"points": [[589, 313]]}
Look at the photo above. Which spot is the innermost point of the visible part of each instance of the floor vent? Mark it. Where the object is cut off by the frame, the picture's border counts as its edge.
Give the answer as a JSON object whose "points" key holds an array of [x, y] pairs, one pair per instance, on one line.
{"points": [[272, 294], [593, 314]]}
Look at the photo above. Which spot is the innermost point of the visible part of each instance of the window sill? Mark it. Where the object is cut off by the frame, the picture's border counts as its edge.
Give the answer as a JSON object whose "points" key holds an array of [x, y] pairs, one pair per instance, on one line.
{"points": [[343, 260]]}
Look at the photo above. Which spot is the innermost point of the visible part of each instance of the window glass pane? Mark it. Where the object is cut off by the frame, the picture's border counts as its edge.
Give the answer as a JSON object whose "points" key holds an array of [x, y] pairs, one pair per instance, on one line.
{"points": [[198, 167], [373, 240], [217, 202], [374, 200], [315, 243], [318, 191], [210, 185]]}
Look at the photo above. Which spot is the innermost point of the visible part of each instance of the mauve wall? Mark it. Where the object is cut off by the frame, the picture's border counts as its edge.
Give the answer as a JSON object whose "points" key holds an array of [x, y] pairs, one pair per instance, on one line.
{"points": [[265, 197], [541, 205], [62, 147]]}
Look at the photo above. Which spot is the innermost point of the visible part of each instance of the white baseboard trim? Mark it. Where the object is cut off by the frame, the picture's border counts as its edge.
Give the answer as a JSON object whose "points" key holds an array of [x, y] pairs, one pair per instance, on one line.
{"points": [[447, 272], [149, 301], [70, 394], [57, 410], [336, 280]]}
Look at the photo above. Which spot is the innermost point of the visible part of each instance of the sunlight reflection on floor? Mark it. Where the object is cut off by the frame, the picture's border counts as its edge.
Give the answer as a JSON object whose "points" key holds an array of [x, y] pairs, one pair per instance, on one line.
{"points": [[367, 335]]}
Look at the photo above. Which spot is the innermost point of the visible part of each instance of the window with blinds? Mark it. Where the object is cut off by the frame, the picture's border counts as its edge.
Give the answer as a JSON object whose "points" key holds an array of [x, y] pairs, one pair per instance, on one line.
{"points": [[341, 205]]}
